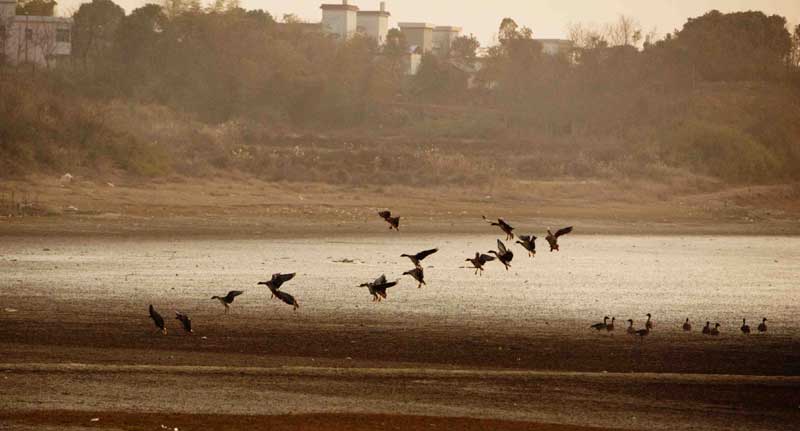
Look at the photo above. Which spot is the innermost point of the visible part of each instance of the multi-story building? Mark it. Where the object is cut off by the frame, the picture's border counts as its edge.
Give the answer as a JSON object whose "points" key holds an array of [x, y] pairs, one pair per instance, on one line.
{"points": [[374, 23], [419, 35], [340, 19], [443, 37], [39, 40]]}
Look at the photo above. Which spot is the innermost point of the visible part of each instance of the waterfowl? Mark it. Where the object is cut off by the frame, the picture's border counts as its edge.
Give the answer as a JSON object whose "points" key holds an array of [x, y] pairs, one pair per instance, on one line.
{"points": [[745, 327], [503, 254], [630, 329], [479, 260], [610, 326], [158, 320], [394, 222], [687, 326], [715, 330], [417, 274], [649, 323], [505, 227], [707, 328], [642, 333], [417, 258], [185, 321], [528, 242], [600, 326], [762, 327], [378, 287], [277, 281], [553, 239], [227, 300]]}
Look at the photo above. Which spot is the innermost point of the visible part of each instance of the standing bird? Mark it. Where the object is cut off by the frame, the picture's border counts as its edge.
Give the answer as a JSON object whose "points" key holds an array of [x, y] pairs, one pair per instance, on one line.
{"points": [[277, 281], [610, 326], [185, 321], [158, 320], [687, 326], [479, 260], [505, 227], [528, 242], [553, 239], [707, 328], [745, 327], [227, 300], [600, 326], [630, 329], [643, 333], [394, 222], [378, 287], [503, 254], [649, 323], [715, 331], [418, 274], [285, 297], [417, 258], [762, 327]]}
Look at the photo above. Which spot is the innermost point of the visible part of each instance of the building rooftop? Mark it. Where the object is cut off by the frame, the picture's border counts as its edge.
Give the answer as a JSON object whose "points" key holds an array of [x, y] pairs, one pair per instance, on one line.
{"points": [[348, 7], [447, 28], [415, 25], [374, 12]]}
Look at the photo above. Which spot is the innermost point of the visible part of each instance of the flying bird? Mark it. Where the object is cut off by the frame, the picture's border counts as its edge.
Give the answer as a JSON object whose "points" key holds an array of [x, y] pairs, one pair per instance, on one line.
{"points": [[505, 227], [417, 258], [745, 327], [479, 260], [417, 274], [687, 326], [762, 327], [600, 326], [394, 222], [553, 239], [378, 287], [277, 281], [528, 242], [227, 300], [185, 321], [287, 298], [158, 320], [503, 254]]}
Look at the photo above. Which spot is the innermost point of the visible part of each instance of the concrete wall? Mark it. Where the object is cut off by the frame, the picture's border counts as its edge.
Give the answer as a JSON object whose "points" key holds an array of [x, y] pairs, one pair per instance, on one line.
{"points": [[418, 34], [374, 25], [443, 38], [41, 40], [340, 21]]}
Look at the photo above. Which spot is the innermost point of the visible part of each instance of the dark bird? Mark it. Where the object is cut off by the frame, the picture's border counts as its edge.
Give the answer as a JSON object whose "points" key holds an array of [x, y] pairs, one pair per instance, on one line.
{"points": [[505, 227], [649, 323], [610, 326], [158, 320], [553, 239], [642, 333], [378, 287], [762, 327], [417, 258], [285, 297], [528, 243], [745, 327], [707, 328], [394, 222], [630, 329], [600, 326], [277, 281], [687, 326], [503, 254], [185, 321], [479, 260], [715, 330], [227, 300], [418, 274]]}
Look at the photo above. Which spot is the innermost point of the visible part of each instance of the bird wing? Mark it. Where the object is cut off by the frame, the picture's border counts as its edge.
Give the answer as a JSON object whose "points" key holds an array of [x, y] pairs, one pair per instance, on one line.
{"points": [[283, 278], [486, 258], [156, 317], [380, 280], [501, 247], [285, 297], [385, 285], [423, 254], [525, 238], [504, 225], [385, 214], [563, 231], [233, 294]]}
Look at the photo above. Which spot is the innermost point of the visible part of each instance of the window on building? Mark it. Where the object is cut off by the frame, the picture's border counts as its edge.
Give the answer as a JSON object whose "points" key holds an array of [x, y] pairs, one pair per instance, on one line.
{"points": [[62, 35], [29, 34]]}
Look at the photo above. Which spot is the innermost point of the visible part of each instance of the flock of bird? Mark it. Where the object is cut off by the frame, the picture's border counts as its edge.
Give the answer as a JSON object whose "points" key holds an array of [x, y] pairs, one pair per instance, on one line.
{"points": [[378, 288]]}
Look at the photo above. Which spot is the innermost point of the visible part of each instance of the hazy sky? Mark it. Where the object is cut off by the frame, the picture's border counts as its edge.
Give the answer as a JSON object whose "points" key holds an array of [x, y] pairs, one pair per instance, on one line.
{"points": [[547, 18]]}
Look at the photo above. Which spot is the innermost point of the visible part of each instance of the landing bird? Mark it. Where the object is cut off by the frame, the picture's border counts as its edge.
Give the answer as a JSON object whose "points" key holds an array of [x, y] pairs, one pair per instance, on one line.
{"points": [[610, 326], [378, 287], [707, 328], [630, 329], [227, 300], [687, 326], [285, 297], [394, 222], [417, 258], [649, 323], [479, 260], [185, 321], [715, 331], [553, 239], [503, 254], [528, 242], [745, 327], [277, 281], [505, 227], [158, 320], [762, 327], [418, 274], [600, 326]]}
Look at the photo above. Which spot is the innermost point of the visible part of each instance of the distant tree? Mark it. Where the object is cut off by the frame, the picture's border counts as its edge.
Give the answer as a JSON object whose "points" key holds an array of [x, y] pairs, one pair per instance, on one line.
{"points": [[465, 48], [396, 43], [139, 45], [94, 30], [36, 7], [795, 57], [626, 31], [173, 8]]}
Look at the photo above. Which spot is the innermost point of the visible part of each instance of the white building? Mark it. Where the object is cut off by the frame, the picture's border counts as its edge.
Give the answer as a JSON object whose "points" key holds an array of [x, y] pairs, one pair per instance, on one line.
{"points": [[443, 37], [374, 23], [555, 46], [40, 40], [419, 35], [340, 19]]}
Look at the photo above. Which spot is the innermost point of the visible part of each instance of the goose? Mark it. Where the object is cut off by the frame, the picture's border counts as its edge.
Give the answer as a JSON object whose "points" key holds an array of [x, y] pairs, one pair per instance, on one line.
{"points": [[600, 326], [185, 321], [707, 328], [505, 227], [715, 330], [643, 333], [687, 326], [417, 274], [610, 326], [553, 239], [277, 281], [378, 287], [417, 258], [528, 242], [649, 323], [478, 261], [227, 300], [762, 327], [503, 254], [745, 327], [630, 329], [158, 320], [394, 222]]}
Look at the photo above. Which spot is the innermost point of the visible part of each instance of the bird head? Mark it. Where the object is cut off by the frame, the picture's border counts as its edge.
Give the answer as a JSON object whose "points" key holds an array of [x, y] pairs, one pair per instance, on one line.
{"points": [[764, 320], [215, 297], [648, 315], [263, 283], [630, 321]]}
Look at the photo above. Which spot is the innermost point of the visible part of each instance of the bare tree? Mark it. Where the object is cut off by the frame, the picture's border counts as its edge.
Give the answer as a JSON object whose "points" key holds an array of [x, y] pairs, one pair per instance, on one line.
{"points": [[625, 32]]}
